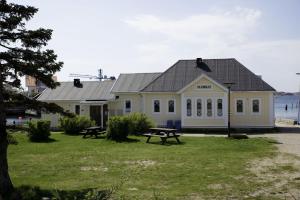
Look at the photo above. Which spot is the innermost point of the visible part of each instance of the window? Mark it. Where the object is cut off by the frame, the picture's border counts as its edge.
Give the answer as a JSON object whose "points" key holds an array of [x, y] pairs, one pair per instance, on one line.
{"points": [[156, 106], [239, 106], [209, 108], [189, 107], [199, 107], [255, 106], [77, 109], [171, 106], [220, 107], [127, 106]]}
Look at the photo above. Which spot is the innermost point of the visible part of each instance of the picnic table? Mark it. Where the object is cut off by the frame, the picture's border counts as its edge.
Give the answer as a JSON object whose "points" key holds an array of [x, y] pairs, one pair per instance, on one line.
{"points": [[93, 130], [163, 133]]}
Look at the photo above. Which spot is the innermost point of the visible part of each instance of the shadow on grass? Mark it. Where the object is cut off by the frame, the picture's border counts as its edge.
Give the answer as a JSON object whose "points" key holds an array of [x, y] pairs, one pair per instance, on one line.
{"points": [[129, 140], [168, 143], [49, 140], [26, 192]]}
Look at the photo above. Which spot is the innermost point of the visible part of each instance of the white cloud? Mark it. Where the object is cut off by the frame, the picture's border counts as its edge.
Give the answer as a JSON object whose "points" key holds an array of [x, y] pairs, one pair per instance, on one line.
{"points": [[232, 27], [220, 34]]}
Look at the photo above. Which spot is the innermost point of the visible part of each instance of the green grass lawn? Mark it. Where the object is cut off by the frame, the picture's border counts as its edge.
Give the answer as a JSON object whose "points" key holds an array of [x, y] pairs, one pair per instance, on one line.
{"points": [[209, 166]]}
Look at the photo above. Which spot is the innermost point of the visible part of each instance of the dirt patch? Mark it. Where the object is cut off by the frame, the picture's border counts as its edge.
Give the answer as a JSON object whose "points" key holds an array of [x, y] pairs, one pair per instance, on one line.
{"points": [[93, 168], [279, 174], [141, 163]]}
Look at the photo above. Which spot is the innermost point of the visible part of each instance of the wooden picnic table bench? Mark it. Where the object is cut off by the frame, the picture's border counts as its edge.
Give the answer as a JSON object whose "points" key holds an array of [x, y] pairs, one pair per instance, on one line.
{"points": [[93, 130], [163, 133]]}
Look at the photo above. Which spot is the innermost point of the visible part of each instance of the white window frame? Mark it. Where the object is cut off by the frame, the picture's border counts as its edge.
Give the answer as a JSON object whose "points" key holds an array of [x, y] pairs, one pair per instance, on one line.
{"points": [[235, 106], [223, 108], [202, 107], [185, 107], [259, 104], [174, 106], [124, 111], [153, 106], [212, 108]]}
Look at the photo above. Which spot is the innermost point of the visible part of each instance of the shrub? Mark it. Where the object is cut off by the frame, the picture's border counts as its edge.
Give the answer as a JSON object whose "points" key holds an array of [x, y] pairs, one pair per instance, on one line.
{"points": [[39, 130], [74, 125], [139, 123], [11, 139], [117, 128]]}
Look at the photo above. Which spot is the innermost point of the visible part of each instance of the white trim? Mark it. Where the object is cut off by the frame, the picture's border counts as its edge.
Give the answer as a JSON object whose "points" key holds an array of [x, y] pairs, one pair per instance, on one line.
{"points": [[235, 106], [124, 106], [202, 107], [182, 110], [271, 111], [171, 113], [199, 78], [185, 106], [223, 108], [212, 108], [259, 106], [153, 106]]}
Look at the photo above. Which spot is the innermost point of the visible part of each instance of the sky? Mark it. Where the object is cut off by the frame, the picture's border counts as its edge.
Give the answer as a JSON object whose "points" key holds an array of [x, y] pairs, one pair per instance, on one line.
{"points": [[130, 36]]}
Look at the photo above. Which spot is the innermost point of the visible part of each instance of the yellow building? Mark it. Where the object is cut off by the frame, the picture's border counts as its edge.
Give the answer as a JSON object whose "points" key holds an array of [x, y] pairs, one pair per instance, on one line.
{"points": [[191, 92], [194, 93]]}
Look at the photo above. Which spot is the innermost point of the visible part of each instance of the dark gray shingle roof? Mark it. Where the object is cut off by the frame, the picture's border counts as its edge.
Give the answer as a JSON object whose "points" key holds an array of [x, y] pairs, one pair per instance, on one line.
{"points": [[133, 82], [91, 90], [184, 72]]}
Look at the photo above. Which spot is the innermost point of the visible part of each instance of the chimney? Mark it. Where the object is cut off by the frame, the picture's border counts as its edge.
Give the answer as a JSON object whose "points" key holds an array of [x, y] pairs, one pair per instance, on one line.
{"points": [[198, 62], [77, 83]]}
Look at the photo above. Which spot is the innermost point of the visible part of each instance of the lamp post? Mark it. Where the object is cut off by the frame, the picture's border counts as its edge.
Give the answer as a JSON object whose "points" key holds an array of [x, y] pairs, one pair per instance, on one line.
{"points": [[228, 85], [298, 120]]}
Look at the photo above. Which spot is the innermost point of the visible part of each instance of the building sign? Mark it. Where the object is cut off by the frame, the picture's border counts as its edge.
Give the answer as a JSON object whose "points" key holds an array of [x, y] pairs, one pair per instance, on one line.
{"points": [[204, 87]]}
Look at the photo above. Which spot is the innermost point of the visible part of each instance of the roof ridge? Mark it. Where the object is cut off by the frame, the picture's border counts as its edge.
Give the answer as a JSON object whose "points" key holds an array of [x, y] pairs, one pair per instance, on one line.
{"points": [[141, 73]]}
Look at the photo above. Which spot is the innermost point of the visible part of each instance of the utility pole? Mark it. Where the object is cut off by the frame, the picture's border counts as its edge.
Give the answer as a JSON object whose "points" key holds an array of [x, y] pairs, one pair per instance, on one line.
{"points": [[298, 120], [228, 85]]}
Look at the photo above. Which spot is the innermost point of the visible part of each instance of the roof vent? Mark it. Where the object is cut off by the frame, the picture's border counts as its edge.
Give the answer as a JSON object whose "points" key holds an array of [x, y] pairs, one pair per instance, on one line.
{"points": [[77, 83], [199, 62]]}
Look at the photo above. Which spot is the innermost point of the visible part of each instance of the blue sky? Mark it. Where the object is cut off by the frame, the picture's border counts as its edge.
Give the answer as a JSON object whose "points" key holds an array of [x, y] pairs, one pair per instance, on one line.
{"points": [[129, 36]]}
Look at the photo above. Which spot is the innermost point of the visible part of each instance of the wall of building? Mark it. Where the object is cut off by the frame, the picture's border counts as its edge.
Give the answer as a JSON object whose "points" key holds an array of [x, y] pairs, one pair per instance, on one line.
{"points": [[117, 106], [248, 119], [204, 89], [161, 118], [67, 106]]}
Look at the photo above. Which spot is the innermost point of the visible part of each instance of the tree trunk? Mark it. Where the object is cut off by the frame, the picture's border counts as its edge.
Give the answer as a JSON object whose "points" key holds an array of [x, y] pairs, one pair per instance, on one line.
{"points": [[5, 183]]}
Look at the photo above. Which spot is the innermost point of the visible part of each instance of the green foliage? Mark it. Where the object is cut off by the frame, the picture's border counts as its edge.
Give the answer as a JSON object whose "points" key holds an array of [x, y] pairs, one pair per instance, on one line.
{"points": [[117, 128], [139, 123], [11, 139], [74, 125], [39, 130]]}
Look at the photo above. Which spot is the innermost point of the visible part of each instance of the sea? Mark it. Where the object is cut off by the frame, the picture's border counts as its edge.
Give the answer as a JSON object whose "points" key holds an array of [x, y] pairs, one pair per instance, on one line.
{"points": [[286, 106]]}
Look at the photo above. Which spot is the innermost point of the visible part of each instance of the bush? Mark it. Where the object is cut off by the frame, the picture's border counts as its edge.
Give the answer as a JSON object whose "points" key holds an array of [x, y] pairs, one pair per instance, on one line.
{"points": [[117, 128], [139, 123], [74, 125], [39, 130]]}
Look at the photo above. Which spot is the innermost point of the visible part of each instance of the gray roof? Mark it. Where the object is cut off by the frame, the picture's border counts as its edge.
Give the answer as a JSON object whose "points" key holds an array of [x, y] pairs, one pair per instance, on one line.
{"points": [[91, 90], [184, 72], [133, 82]]}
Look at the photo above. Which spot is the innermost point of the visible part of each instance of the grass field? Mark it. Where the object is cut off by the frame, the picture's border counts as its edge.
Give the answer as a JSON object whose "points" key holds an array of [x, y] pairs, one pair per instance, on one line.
{"points": [[211, 167]]}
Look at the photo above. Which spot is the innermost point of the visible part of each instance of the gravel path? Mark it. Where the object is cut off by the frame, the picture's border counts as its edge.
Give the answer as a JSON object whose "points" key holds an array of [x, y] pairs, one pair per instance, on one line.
{"points": [[287, 142]]}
